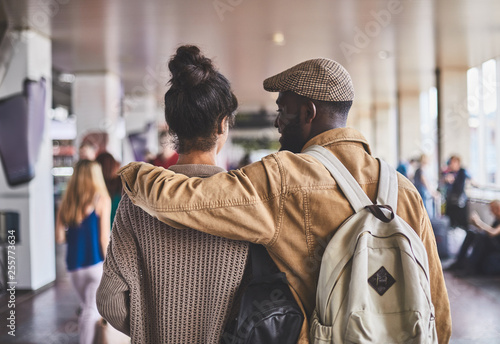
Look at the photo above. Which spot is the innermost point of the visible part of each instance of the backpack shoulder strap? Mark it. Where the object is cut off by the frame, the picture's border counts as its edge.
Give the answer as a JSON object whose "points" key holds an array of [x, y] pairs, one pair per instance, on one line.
{"points": [[352, 190], [387, 186]]}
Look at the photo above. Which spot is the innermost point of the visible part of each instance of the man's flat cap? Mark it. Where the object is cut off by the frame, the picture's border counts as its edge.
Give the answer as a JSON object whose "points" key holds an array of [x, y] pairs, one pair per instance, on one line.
{"points": [[317, 79]]}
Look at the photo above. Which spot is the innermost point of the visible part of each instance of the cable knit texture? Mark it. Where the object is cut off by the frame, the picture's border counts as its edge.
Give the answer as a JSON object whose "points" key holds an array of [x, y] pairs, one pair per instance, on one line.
{"points": [[165, 285]]}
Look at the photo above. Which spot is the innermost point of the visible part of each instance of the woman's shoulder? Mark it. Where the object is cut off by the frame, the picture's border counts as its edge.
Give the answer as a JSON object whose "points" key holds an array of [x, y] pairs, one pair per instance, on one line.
{"points": [[101, 201]]}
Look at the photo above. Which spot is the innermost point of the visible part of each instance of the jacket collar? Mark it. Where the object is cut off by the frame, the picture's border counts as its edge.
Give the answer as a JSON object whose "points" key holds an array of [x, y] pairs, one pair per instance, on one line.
{"points": [[334, 136], [196, 170]]}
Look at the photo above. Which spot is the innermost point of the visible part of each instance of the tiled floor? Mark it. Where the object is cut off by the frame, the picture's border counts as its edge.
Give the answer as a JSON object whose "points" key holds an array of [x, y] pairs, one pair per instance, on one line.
{"points": [[49, 316], [475, 309]]}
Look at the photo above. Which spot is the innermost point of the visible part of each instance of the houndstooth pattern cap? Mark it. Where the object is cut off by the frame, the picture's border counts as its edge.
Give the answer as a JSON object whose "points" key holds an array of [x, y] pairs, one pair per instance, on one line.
{"points": [[317, 79]]}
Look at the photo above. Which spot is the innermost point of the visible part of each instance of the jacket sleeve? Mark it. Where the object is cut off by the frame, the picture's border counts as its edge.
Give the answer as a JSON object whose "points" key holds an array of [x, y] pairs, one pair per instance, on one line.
{"points": [[243, 204], [113, 294], [439, 293]]}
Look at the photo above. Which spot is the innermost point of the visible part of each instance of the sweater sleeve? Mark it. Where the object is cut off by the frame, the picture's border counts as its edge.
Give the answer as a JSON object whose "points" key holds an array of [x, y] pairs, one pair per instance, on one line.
{"points": [[242, 204], [113, 294]]}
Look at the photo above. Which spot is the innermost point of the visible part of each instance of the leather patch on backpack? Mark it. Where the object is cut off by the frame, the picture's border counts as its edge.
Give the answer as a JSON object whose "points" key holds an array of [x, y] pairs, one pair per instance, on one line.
{"points": [[381, 281]]}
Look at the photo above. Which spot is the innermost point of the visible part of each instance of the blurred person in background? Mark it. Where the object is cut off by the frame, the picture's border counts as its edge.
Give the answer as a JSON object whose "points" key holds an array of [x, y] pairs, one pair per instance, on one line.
{"points": [[167, 155], [87, 151], [422, 183], [411, 168], [455, 178], [245, 160], [110, 167], [485, 256], [403, 168], [456, 206], [165, 285], [83, 223]]}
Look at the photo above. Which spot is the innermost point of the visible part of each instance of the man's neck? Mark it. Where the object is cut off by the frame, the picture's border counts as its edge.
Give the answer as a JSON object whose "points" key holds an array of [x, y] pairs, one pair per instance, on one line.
{"points": [[317, 130]]}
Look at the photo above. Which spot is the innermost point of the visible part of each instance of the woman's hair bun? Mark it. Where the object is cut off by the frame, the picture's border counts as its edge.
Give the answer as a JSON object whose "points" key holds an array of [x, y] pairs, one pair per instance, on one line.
{"points": [[189, 67]]}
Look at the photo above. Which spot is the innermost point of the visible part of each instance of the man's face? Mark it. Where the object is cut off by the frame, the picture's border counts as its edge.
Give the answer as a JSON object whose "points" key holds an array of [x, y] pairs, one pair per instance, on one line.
{"points": [[289, 123], [87, 153]]}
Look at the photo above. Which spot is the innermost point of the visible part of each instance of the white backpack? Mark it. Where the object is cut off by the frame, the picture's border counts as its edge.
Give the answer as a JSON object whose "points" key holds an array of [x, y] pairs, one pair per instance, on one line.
{"points": [[373, 283]]}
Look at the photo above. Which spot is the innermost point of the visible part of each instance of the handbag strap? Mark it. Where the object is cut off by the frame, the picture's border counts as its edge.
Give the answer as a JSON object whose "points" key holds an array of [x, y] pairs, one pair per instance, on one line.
{"points": [[261, 261]]}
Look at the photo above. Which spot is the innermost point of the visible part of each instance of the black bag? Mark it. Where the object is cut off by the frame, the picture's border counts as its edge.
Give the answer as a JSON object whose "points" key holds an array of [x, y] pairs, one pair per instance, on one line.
{"points": [[268, 311], [440, 226]]}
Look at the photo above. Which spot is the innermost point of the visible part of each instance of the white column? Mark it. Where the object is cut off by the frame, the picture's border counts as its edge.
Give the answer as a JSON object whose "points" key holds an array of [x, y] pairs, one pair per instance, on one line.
{"points": [[360, 118], [35, 255], [385, 129], [378, 125], [497, 133], [454, 117], [410, 141], [139, 113], [97, 106]]}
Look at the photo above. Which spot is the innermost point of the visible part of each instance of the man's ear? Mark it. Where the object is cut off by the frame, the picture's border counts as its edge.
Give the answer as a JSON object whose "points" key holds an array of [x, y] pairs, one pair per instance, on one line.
{"points": [[308, 111]]}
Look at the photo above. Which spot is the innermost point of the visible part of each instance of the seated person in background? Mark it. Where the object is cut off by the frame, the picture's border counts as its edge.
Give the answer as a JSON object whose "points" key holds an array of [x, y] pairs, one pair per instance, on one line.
{"points": [[165, 285], [486, 243]]}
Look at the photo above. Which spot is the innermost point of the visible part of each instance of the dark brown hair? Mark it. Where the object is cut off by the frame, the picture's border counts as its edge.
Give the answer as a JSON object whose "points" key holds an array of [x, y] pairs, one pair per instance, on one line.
{"points": [[109, 171], [198, 100]]}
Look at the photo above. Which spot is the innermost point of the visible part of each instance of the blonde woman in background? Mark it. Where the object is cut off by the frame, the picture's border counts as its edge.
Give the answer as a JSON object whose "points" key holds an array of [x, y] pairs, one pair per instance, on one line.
{"points": [[422, 183], [83, 221]]}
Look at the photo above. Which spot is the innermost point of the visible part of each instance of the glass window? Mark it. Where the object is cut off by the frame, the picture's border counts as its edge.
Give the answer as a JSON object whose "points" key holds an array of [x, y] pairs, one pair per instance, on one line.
{"points": [[489, 78], [489, 74], [473, 104], [482, 90], [473, 91]]}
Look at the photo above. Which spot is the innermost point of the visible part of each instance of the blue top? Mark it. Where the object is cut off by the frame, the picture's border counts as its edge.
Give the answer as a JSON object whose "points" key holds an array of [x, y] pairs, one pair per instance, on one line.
{"points": [[402, 169], [419, 183], [84, 248]]}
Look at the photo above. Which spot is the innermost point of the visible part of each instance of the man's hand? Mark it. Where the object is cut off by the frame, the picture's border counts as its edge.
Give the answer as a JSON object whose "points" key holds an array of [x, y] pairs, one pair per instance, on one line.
{"points": [[449, 178]]}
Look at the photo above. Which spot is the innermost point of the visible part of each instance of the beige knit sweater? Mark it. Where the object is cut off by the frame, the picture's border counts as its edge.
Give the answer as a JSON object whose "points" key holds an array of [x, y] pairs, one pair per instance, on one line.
{"points": [[165, 285]]}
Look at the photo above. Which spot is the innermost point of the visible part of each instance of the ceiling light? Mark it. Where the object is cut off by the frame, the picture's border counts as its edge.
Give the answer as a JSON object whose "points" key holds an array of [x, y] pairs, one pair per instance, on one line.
{"points": [[474, 122], [67, 78], [383, 54], [278, 38], [60, 113], [62, 171]]}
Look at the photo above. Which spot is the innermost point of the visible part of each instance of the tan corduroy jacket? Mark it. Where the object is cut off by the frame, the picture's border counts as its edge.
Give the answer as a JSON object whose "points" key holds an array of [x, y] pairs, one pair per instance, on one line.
{"points": [[289, 203]]}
